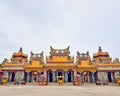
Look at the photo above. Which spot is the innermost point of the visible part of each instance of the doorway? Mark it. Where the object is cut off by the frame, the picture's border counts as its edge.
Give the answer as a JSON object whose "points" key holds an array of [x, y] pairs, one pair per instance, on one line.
{"points": [[50, 73], [70, 76], [13, 77], [60, 73], [109, 77]]}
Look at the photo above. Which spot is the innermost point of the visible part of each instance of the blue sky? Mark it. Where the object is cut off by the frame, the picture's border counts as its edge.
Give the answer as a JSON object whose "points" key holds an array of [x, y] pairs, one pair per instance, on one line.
{"points": [[38, 24]]}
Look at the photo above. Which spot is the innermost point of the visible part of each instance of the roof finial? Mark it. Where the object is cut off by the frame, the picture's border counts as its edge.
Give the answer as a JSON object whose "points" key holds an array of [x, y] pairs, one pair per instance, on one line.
{"points": [[100, 49], [20, 49]]}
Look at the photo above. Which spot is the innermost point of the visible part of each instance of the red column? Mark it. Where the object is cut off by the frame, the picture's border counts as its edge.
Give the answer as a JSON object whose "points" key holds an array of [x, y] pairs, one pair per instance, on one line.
{"points": [[75, 74], [107, 75], [45, 74], [98, 77], [22, 75]]}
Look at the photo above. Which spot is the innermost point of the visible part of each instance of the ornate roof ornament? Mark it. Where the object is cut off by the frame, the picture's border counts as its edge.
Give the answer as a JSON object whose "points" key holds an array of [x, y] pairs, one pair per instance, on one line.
{"points": [[20, 53], [59, 52], [116, 60], [37, 56], [99, 49], [87, 53], [20, 49], [83, 56]]}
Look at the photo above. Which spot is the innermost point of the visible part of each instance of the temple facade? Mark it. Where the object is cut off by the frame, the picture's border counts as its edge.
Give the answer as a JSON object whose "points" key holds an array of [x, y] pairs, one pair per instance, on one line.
{"points": [[61, 63]]}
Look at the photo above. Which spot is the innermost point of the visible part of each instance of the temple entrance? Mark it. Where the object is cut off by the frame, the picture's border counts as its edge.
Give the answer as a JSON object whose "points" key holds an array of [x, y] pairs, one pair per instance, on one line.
{"points": [[34, 76], [9, 77], [50, 76], [109, 77], [25, 76], [30, 76], [87, 77], [96, 77], [70, 77], [60, 73], [12, 77]]}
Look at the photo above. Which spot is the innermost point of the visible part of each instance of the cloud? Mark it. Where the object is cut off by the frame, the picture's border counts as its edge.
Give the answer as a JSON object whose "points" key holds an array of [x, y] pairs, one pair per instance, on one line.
{"points": [[37, 24]]}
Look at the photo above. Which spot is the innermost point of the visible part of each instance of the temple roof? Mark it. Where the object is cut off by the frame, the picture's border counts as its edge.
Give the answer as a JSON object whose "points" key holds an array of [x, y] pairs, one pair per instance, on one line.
{"points": [[100, 53], [19, 54]]}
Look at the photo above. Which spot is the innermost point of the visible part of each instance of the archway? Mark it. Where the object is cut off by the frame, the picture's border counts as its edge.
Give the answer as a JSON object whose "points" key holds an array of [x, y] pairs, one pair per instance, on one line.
{"points": [[109, 77], [25, 76], [9, 80], [70, 76], [95, 76], [60, 73], [50, 76], [12, 77], [87, 77]]}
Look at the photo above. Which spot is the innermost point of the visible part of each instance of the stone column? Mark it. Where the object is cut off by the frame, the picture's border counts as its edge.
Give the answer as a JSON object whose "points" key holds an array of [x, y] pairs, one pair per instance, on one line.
{"points": [[75, 74], [54, 77], [23, 75], [98, 75], [10, 76], [66, 76], [16, 75], [106, 75], [71, 76], [112, 77], [93, 78], [19, 76], [45, 74], [31, 76], [88, 77], [38, 76], [28, 77], [63, 76], [81, 77]]}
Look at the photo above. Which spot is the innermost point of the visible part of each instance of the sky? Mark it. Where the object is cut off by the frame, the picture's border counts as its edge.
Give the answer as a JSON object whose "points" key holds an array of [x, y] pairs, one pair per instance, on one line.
{"points": [[35, 25]]}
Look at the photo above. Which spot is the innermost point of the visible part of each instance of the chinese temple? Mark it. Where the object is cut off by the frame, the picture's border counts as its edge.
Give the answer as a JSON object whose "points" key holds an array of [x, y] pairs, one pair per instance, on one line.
{"points": [[107, 70], [14, 69], [61, 63]]}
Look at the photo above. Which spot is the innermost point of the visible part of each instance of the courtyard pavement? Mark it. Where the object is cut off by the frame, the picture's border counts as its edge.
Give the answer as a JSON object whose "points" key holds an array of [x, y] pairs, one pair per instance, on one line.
{"points": [[53, 89]]}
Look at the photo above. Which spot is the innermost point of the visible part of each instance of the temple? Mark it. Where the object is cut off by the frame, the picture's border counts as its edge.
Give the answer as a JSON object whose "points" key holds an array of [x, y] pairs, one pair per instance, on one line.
{"points": [[60, 63]]}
